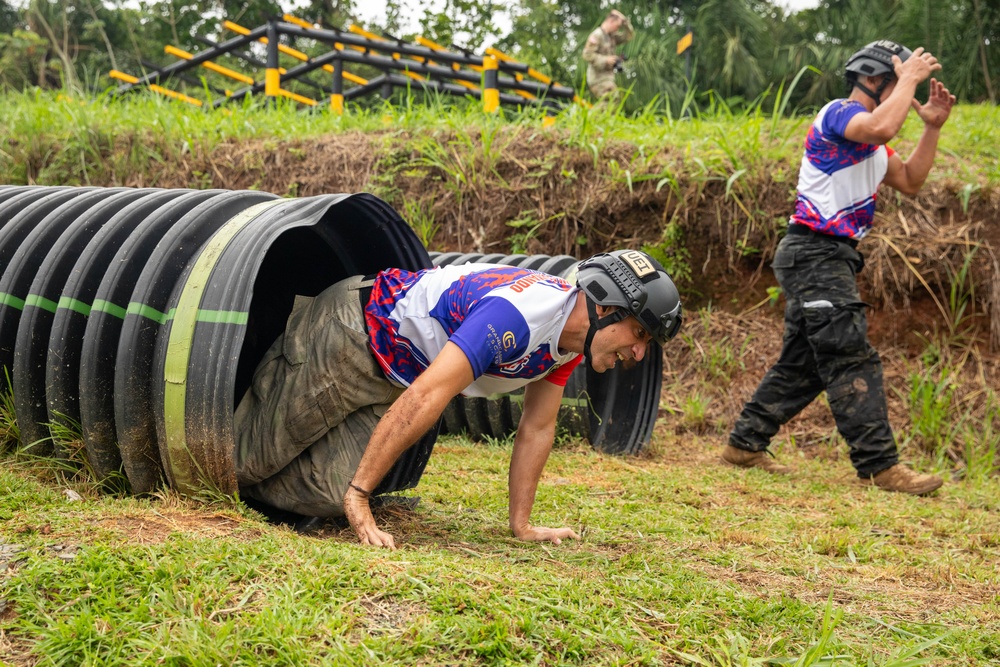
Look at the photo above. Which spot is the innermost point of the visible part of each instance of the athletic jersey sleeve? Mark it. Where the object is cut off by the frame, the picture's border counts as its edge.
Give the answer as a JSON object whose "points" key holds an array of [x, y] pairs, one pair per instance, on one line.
{"points": [[493, 332], [560, 376], [837, 117]]}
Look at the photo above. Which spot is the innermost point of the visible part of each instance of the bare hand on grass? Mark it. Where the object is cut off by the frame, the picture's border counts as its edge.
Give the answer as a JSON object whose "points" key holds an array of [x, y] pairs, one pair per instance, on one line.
{"points": [[359, 515]]}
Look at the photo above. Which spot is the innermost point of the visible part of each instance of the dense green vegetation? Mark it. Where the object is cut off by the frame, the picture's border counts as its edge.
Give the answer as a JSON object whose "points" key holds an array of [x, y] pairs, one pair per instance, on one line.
{"points": [[55, 138], [743, 49]]}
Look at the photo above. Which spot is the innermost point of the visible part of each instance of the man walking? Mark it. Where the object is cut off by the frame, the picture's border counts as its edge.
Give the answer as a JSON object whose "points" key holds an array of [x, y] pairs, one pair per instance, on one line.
{"points": [[825, 342]]}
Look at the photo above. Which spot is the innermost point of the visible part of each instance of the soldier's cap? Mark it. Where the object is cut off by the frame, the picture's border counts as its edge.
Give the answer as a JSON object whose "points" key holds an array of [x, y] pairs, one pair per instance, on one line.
{"points": [[624, 19]]}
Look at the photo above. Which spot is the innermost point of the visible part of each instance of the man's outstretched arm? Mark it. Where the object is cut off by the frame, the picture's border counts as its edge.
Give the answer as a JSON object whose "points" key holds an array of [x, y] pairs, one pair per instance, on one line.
{"points": [[532, 445], [412, 415], [883, 124]]}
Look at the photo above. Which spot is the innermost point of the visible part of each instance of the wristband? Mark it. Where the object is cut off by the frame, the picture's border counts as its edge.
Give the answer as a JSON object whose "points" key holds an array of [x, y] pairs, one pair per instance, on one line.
{"points": [[357, 488]]}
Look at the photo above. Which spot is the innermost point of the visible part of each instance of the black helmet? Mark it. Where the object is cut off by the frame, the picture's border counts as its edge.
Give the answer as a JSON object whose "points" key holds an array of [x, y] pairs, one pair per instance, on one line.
{"points": [[636, 283], [873, 60]]}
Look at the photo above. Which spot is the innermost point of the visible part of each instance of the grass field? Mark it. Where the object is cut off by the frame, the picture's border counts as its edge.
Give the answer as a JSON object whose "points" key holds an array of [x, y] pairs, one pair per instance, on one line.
{"points": [[681, 561]]}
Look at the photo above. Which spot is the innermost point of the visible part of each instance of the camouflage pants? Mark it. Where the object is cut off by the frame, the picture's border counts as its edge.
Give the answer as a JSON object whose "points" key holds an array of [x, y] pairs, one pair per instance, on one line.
{"points": [[315, 400], [825, 347]]}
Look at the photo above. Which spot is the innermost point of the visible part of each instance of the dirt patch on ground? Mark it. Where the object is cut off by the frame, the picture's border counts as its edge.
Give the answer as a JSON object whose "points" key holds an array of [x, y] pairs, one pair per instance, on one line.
{"points": [[156, 527], [864, 590]]}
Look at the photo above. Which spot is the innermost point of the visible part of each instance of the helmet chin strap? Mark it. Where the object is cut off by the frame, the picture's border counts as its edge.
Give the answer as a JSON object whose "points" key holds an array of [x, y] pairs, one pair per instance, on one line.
{"points": [[874, 94], [597, 323]]}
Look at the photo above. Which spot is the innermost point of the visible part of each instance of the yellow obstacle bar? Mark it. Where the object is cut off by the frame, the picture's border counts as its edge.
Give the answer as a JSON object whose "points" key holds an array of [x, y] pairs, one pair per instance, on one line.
{"points": [[297, 21], [219, 69], [294, 53], [310, 26], [434, 46], [128, 78], [375, 38], [518, 77], [298, 98], [122, 76], [533, 73]]}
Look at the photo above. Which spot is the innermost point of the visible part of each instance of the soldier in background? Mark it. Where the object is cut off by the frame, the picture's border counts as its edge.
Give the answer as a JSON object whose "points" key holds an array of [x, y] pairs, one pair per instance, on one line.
{"points": [[599, 52]]}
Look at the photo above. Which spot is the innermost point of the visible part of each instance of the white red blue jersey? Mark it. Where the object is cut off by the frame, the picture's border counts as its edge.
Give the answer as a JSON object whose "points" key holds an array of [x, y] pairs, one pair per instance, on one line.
{"points": [[507, 320], [839, 178]]}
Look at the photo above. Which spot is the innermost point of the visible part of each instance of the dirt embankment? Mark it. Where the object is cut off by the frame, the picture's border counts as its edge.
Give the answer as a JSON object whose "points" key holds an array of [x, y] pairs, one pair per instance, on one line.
{"points": [[932, 269], [931, 264]]}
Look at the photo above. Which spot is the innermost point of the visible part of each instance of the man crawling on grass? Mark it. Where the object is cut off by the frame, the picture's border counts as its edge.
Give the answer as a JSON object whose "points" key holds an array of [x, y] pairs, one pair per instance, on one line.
{"points": [[368, 366]]}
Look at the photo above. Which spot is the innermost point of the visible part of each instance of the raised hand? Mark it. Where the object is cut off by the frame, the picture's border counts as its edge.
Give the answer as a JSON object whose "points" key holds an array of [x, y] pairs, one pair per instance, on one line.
{"points": [[938, 106], [918, 66]]}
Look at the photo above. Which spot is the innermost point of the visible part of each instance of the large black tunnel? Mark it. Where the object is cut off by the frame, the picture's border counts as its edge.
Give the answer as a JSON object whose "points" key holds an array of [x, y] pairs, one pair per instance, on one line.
{"points": [[141, 315], [616, 410]]}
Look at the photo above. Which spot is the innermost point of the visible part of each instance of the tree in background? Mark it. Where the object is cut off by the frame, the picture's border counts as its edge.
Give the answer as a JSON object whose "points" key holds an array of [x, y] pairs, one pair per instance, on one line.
{"points": [[743, 49], [471, 22]]}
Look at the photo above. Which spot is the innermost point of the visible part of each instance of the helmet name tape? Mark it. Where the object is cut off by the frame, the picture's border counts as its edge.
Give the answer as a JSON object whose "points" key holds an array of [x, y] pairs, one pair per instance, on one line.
{"points": [[638, 262], [888, 45]]}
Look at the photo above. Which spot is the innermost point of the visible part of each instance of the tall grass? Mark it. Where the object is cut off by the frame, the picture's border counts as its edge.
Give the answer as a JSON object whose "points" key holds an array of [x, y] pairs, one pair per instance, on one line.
{"points": [[58, 139]]}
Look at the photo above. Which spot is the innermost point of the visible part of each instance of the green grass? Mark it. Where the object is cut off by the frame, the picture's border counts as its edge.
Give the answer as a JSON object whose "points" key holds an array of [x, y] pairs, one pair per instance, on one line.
{"points": [[55, 139], [682, 560]]}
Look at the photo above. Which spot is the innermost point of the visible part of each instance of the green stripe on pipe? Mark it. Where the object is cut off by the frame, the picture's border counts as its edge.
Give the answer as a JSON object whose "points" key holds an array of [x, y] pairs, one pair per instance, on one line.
{"points": [[216, 316], [11, 300], [141, 309], [182, 465], [68, 303], [223, 316], [39, 301], [107, 307]]}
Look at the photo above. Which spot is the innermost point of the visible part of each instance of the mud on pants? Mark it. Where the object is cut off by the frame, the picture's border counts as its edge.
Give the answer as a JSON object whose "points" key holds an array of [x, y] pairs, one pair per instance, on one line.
{"points": [[825, 347]]}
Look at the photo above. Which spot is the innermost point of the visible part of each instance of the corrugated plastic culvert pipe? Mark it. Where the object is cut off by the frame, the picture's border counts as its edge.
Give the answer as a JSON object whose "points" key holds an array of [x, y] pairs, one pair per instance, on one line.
{"points": [[615, 410], [142, 314]]}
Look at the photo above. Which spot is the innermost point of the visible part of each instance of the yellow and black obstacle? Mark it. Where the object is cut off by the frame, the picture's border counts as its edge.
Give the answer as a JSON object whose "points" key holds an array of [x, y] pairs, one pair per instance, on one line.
{"points": [[494, 78]]}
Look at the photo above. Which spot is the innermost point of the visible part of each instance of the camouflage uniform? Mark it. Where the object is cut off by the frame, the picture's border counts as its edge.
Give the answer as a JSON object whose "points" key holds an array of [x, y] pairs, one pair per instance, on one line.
{"points": [[825, 348], [600, 45]]}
